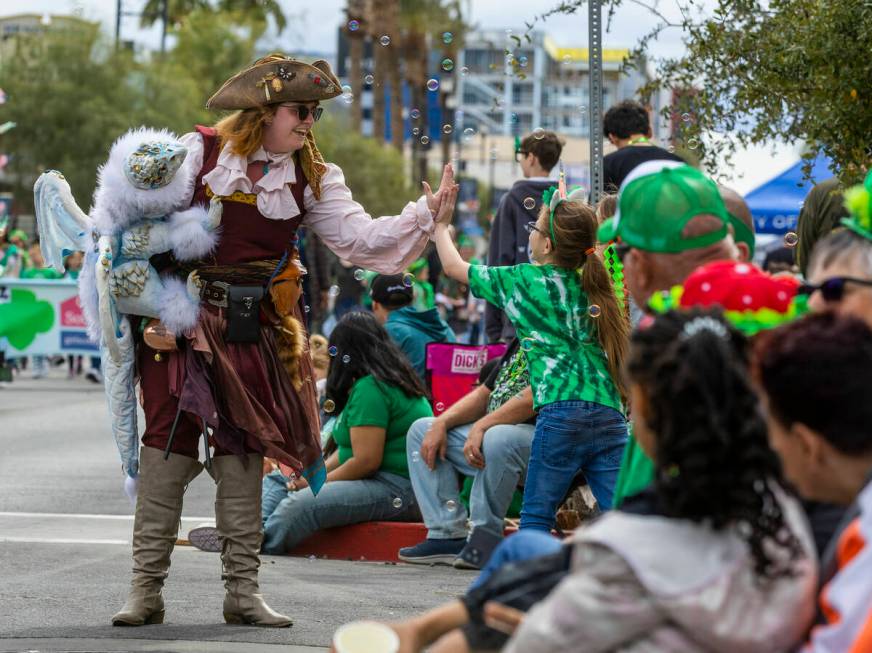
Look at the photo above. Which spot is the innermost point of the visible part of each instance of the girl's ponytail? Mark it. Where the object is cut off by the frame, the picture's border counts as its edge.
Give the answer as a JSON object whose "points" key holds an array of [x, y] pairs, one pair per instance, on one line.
{"points": [[575, 227]]}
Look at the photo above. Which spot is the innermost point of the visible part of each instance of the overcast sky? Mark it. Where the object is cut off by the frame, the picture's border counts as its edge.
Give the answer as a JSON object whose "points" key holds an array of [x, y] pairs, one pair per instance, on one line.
{"points": [[315, 27]]}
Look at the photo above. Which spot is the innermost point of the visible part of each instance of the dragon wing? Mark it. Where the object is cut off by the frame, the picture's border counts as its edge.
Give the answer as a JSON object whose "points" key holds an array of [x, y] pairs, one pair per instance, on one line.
{"points": [[61, 222], [119, 375]]}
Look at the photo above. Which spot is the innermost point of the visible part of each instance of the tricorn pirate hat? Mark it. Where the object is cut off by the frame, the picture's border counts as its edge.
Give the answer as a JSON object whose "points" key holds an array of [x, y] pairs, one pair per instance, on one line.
{"points": [[276, 78]]}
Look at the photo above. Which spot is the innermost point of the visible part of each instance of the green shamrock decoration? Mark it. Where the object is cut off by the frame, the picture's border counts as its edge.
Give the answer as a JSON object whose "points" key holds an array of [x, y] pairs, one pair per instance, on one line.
{"points": [[24, 317]]}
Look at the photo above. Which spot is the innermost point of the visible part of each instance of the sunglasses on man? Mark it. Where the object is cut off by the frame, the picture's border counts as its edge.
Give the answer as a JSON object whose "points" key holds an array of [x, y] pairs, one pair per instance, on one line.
{"points": [[303, 111], [833, 289]]}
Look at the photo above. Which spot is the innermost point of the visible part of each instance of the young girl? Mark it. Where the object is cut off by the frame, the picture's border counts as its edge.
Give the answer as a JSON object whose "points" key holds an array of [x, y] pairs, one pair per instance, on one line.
{"points": [[575, 336]]}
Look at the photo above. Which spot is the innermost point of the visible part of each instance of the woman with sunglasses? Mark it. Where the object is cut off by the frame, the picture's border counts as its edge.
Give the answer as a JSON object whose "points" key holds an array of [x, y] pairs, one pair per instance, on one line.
{"points": [[840, 268], [243, 377]]}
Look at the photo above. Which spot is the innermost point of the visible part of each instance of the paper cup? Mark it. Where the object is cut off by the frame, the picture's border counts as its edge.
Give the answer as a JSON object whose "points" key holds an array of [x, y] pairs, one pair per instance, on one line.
{"points": [[365, 637]]}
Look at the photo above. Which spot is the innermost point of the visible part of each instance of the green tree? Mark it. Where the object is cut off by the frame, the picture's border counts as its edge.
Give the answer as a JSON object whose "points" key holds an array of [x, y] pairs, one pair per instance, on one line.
{"points": [[153, 10], [758, 70], [71, 95], [178, 10], [373, 172]]}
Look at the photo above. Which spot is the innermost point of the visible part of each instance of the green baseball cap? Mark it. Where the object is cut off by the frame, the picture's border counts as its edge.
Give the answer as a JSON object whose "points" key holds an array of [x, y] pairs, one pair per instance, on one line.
{"points": [[655, 203]]}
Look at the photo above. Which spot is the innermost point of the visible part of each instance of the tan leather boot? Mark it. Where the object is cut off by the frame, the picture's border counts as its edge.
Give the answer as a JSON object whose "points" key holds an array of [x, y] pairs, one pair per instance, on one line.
{"points": [[162, 484], [237, 517]]}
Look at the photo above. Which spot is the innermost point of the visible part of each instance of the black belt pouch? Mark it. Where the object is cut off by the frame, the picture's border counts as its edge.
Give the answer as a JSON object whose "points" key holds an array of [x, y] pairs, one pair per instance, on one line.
{"points": [[243, 313]]}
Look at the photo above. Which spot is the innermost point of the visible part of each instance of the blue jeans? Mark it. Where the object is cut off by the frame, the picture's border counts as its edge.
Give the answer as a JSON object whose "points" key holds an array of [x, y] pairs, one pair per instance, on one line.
{"points": [[523, 545], [572, 436], [291, 517], [506, 449]]}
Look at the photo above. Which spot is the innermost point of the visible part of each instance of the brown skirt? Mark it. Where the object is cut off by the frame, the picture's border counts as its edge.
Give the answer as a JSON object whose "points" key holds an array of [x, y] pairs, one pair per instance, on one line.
{"points": [[240, 390]]}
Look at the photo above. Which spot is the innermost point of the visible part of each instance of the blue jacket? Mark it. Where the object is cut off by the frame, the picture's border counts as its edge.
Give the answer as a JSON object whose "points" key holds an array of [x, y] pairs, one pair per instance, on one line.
{"points": [[413, 330]]}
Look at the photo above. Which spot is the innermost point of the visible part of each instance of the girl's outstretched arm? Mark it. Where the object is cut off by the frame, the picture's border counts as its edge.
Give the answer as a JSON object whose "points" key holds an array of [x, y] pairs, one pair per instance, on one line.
{"points": [[452, 265]]}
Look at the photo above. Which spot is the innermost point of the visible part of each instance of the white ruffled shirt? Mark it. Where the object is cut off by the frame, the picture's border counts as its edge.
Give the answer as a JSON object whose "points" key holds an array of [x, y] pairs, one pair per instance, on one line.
{"points": [[387, 245]]}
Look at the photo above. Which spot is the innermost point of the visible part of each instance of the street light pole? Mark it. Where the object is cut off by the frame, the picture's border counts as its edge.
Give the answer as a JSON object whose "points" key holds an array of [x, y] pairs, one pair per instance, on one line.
{"points": [[595, 60]]}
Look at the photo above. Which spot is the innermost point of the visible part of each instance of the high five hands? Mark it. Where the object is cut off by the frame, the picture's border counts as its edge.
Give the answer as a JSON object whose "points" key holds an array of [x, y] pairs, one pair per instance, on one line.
{"points": [[441, 203]]}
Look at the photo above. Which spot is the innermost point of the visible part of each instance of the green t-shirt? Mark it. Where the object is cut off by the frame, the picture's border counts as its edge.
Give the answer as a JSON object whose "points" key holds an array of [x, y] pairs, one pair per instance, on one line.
{"points": [[374, 403], [40, 273], [550, 312]]}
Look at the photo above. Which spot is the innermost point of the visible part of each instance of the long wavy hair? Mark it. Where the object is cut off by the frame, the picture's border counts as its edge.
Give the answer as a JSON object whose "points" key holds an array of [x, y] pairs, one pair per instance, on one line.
{"points": [[363, 347], [575, 227], [714, 463]]}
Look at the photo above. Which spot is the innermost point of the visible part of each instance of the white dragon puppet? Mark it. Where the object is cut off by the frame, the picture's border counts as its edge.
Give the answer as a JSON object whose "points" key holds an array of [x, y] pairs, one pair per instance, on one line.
{"points": [[140, 209]]}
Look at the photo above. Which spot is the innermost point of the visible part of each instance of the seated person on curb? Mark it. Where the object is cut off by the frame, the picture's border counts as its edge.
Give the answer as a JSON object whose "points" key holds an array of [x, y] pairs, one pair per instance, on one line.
{"points": [[714, 555], [377, 396], [485, 435], [410, 329], [816, 375]]}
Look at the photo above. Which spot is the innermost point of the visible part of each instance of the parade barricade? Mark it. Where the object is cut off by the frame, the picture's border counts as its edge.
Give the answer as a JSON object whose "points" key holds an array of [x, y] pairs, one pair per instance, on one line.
{"points": [[452, 370], [42, 317]]}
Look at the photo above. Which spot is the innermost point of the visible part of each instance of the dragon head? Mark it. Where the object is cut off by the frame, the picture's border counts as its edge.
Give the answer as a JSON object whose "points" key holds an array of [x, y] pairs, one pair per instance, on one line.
{"points": [[154, 164]]}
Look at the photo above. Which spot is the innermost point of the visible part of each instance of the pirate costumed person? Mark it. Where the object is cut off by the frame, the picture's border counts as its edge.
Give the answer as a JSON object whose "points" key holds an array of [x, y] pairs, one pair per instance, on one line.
{"points": [[210, 317]]}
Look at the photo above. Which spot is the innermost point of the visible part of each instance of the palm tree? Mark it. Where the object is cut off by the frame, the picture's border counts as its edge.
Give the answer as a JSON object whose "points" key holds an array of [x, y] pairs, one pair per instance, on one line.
{"points": [[356, 11], [258, 10], [176, 10]]}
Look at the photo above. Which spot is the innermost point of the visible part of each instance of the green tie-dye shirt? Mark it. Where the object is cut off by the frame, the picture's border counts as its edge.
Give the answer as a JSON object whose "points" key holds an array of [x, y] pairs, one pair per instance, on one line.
{"points": [[550, 312]]}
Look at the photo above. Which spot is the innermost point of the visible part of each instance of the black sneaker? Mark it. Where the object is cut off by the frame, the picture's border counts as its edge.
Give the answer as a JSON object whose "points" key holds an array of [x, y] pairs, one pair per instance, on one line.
{"points": [[477, 551], [432, 552]]}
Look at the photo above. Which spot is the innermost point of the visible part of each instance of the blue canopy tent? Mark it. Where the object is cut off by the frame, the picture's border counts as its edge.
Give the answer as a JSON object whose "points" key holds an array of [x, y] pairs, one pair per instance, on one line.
{"points": [[775, 205]]}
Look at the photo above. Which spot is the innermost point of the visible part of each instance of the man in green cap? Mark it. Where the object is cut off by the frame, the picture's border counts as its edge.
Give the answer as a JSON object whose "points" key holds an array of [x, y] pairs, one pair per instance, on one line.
{"points": [[671, 219]]}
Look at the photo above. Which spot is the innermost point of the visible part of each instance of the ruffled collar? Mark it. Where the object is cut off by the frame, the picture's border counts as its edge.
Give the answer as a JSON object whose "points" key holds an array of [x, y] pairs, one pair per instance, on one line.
{"points": [[275, 200]]}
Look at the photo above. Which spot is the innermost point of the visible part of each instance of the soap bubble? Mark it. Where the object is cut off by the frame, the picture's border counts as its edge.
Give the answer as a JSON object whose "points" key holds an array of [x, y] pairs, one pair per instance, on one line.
{"points": [[538, 133], [685, 117], [440, 407], [408, 280], [333, 350], [692, 143], [385, 40], [567, 59], [447, 129], [346, 359], [464, 71], [416, 456], [353, 25], [468, 134], [425, 140], [522, 60], [451, 505], [416, 131], [432, 84], [359, 274], [447, 65], [594, 310], [447, 37], [306, 308], [346, 88], [348, 97], [368, 79], [329, 406], [529, 203], [791, 239], [397, 503], [527, 343], [334, 291], [414, 114]]}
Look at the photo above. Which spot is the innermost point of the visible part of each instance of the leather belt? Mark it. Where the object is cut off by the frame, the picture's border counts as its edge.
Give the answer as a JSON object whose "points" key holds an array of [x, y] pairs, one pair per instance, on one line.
{"points": [[215, 292]]}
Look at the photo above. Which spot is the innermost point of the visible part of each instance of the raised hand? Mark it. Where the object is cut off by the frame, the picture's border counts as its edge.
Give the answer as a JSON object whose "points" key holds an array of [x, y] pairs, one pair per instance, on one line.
{"points": [[435, 199]]}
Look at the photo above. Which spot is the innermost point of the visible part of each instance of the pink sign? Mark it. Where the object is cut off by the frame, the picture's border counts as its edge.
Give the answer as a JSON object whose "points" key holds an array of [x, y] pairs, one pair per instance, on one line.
{"points": [[71, 313], [452, 370]]}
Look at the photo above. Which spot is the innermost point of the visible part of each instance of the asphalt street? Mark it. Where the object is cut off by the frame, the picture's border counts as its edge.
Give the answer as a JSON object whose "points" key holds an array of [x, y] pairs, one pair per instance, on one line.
{"points": [[65, 528]]}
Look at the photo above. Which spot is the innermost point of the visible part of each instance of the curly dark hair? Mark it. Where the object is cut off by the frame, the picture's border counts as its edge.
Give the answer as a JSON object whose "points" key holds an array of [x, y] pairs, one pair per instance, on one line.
{"points": [[713, 460], [818, 372], [364, 347]]}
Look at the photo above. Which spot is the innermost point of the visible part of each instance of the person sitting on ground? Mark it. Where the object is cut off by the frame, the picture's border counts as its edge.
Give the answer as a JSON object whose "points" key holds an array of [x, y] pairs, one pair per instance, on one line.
{"points": [[537, 154], [627, 126], [715, 551], [486, 435], [816, 375], [412, 330], [377, 396]]}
